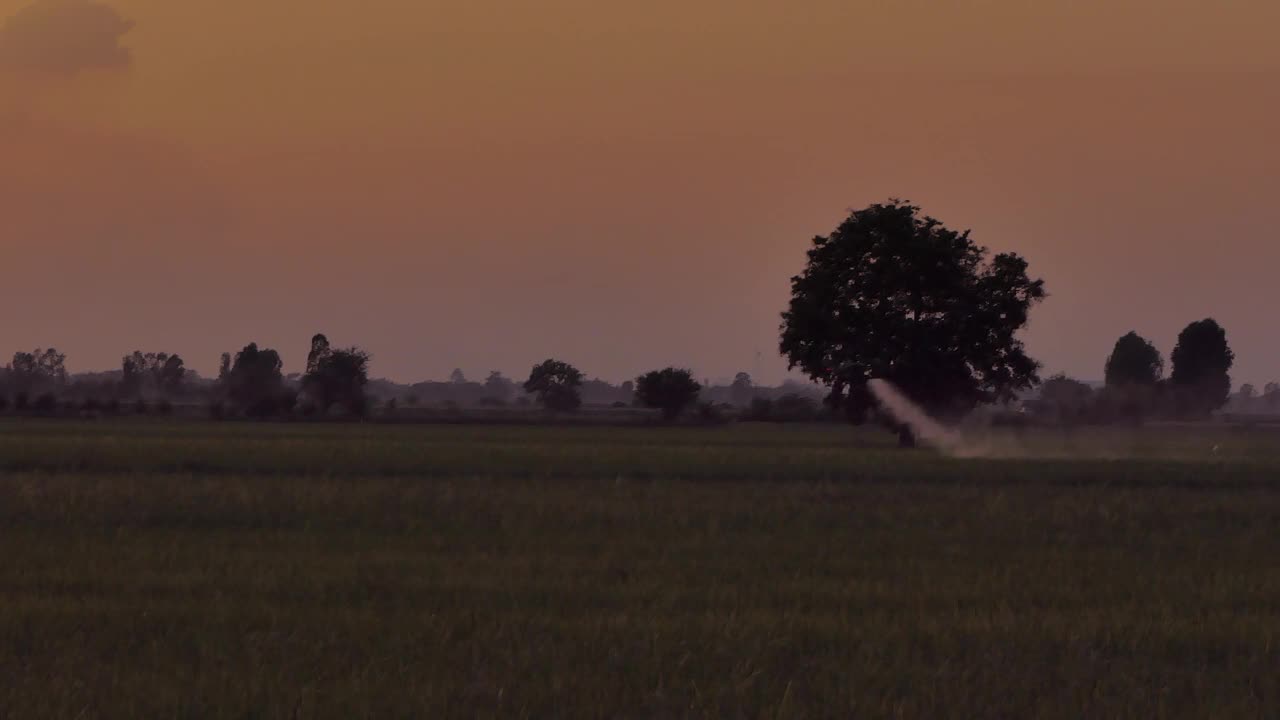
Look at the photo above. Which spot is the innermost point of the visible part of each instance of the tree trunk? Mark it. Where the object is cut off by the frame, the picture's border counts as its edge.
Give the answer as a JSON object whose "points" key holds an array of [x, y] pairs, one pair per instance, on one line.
{"points": [[906, 438]]}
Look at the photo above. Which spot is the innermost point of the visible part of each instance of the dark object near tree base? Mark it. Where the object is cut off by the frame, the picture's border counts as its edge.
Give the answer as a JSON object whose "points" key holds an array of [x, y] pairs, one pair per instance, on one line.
{"points": [[906, 438]]}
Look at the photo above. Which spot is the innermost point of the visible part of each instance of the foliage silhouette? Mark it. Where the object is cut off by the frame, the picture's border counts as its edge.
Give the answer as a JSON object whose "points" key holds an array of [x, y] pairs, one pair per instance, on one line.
{"points": [[1064, 400], [151, 372], [555, 385], [319, 348], [337, 378], [741, 390], [38, 370], [498, 390], [1202, 361], [1134, 361], [670, 390], [253, 383], [894, 294]]}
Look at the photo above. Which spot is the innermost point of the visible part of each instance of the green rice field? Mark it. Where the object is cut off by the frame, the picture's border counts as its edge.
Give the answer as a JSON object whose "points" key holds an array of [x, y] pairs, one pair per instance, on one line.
{"points": [[234, 570]]}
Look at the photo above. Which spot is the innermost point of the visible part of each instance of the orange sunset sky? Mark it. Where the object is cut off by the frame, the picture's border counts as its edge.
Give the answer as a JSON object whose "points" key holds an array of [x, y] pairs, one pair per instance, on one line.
{"points": [[486, 183]]}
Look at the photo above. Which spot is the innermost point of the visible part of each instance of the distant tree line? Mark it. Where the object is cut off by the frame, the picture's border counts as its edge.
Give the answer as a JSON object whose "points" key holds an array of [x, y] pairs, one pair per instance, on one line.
{"points": [[251, 383], [1136, 387], [1249, 400], [891, 294]]}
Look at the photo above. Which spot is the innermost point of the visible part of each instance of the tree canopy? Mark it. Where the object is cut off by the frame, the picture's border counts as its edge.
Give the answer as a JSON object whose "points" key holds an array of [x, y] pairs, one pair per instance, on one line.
{"points": [[555, 385], [1065, 399], [336, 377], [253, 382], [1134, 361], [141, 373], [742, 389], [319, 349], [1202, 362], [671, 390], [894, 294], [498, 389], [37, 370]]}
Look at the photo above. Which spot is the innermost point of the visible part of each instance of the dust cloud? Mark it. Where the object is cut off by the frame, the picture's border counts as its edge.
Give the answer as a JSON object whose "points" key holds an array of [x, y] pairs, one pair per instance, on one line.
{"points": [[977, 437]]}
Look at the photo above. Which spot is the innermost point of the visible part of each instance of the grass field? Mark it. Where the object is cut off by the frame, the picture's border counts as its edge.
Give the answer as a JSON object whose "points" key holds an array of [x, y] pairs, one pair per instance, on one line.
{"points": [[190, 569]]}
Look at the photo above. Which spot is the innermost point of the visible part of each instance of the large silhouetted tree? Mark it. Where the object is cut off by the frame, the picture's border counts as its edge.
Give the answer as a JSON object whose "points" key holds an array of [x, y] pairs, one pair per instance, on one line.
{"points": [[1134, 361], [555, 384], [671, 390], [1202, 362], [894, 294]]}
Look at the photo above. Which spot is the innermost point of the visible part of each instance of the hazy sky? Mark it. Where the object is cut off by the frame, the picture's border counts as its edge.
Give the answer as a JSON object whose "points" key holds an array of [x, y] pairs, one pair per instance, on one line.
{"points": [[486, 183]]}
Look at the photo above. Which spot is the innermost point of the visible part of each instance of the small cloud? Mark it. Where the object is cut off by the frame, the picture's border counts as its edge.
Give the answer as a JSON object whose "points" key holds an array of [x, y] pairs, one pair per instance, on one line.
{"points": [[64, 36]]}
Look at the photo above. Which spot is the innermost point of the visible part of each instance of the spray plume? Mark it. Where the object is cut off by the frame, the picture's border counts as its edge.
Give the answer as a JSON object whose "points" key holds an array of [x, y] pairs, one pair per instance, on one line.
{"points": [[925, 428]]}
